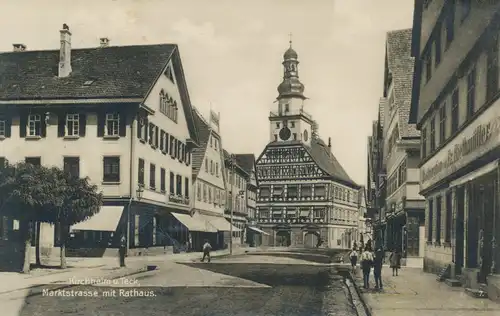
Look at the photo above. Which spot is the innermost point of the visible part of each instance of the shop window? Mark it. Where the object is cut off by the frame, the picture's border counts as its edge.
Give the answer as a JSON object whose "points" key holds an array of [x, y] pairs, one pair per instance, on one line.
{"points": [[429, 220], [449, 220], [438, 219]]}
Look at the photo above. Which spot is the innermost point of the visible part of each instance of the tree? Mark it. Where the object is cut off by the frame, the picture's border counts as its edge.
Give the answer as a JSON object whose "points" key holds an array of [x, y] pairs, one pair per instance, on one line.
{"points": [[81, 201], [34, 194]]}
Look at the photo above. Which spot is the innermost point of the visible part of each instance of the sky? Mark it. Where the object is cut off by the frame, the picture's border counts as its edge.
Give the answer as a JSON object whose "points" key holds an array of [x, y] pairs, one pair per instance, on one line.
{"points": [[232, 50]]}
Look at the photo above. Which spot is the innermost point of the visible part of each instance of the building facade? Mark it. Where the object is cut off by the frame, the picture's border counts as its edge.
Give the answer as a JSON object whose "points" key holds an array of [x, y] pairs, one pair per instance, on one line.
{"points": [[375, 178], [209, 185], [253, 232], [237, 192], [457, 110], [138, 125], [305, 196], [403, 206]]}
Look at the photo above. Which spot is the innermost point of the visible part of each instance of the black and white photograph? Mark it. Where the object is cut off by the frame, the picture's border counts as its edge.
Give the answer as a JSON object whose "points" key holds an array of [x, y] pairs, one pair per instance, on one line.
{"points": [[268, 157]]}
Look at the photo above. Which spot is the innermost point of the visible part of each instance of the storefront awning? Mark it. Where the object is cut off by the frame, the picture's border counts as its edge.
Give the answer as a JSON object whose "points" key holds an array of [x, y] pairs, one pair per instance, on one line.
{"points": [[492, 166], [106, 220], [220, 223], [194, 223], [258, 230]]}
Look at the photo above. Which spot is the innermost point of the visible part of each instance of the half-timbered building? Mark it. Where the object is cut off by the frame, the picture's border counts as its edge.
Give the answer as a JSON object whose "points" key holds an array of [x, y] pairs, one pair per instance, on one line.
{"points": [[305, 196]]}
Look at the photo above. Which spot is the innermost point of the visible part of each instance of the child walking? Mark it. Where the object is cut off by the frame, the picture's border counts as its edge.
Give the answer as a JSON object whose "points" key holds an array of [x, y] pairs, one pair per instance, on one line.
{"points": [[395, 260]]}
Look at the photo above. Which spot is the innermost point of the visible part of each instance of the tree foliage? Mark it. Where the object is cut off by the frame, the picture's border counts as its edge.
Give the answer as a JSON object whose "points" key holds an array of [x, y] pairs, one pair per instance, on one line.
{"points": [[50, 195]]}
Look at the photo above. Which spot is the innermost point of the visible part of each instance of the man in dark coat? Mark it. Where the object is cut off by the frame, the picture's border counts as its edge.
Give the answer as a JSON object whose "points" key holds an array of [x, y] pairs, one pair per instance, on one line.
{"points": [[378, 262], [123, 250]]}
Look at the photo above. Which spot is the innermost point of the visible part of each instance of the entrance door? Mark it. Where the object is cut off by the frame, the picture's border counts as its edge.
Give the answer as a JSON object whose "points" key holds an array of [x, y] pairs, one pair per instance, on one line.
{"points": [[487, 192], [311, 240], [459, 231], [412, 236], [283, 238]]}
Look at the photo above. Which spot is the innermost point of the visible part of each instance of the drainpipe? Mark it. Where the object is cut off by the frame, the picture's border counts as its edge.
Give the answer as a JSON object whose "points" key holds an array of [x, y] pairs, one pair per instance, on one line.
{"points": [[131, 170]]}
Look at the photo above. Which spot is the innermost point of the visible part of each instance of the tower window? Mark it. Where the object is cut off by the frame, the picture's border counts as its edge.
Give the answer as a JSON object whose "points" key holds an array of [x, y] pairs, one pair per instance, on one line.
{"points": [[277, 125], [287, 107], [292, 124], [275, 137], [294, 136]]}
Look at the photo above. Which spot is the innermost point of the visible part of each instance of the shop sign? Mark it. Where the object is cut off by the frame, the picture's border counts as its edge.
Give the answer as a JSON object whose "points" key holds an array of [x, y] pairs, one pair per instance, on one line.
{"points": [[476, 140]]}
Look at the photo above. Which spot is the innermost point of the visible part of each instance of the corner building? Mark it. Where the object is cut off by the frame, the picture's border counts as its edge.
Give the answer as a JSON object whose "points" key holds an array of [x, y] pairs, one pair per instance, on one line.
{"points": [[456, 108], [305, 196]]}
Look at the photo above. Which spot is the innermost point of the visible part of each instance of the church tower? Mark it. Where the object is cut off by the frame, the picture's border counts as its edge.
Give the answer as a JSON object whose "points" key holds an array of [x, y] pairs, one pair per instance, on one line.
{"points": [[289, 122]]}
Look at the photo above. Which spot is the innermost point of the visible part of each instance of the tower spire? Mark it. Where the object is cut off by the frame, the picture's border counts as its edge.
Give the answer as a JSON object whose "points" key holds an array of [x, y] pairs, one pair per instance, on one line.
{"points": [[291, 85]]}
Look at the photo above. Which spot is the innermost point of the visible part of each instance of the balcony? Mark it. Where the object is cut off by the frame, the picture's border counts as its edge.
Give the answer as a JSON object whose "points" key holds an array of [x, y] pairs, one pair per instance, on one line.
{"points": [[290, 221], [299, 112], [179, 199], [292, 199]]}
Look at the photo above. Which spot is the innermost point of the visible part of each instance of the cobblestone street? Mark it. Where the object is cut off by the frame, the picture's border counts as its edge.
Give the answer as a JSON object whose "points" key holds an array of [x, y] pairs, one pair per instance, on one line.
{"points": [[260, 285]]}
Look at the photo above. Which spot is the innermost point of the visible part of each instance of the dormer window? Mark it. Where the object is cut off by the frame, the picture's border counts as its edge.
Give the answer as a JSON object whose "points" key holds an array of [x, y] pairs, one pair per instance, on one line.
{"points": [[88, 83]]}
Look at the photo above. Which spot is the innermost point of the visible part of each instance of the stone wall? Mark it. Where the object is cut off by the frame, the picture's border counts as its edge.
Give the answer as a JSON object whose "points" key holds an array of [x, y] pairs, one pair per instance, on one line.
{"points": [[436, 257]]}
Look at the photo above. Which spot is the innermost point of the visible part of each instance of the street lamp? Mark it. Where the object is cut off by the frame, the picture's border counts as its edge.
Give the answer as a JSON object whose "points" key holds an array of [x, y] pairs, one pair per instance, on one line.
{"points": [[138, 193]]}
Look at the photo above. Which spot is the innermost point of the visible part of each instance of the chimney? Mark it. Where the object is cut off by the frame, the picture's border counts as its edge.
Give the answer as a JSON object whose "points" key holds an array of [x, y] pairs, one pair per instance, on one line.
{"points": [[19, 47], [104, 42], [65, 53], [330, 142]]}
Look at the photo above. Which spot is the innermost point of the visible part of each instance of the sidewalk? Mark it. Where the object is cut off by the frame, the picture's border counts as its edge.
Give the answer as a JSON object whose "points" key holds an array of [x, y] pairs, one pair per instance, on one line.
{"points": [[94, 268], [415, 292]]}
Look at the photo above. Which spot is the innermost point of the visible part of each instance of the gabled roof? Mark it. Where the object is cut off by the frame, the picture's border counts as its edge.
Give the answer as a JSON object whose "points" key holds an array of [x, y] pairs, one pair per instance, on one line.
{"points": [[323, 157], [227, 158], [401, 65], [203, 137], [246, 162], [114, 72]]}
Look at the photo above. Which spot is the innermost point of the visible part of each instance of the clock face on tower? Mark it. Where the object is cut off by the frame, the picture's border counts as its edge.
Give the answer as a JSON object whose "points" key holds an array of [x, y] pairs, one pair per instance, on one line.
{"points": [[285, 133]]}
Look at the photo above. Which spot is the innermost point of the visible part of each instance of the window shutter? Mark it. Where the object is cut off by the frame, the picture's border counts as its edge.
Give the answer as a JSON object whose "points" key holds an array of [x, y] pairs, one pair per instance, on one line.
{"points": [[101, 116], [8, 127], [188, 157], [139, 127], [123, 124], [157, 136], [151, 130], [181, 152], [23, 121], [174, 148], [43, 125], [61, 124], [162, 138], [167, 139], [83, 124], [146, 129]]}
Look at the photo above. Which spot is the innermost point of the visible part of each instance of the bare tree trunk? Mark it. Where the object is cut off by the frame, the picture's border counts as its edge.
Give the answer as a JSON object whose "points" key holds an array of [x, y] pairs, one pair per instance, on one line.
{"points": [[26, 230], [37, 243], [63, 237]]}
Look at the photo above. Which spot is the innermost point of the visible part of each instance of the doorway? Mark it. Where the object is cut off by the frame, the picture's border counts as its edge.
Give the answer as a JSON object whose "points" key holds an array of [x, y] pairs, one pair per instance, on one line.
{"points": [[311, 239], [459, 230], [283, 238]]}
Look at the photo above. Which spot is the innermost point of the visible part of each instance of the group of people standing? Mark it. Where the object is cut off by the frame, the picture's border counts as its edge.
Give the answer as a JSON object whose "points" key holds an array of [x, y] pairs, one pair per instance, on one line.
{"points": [[374, 259]]}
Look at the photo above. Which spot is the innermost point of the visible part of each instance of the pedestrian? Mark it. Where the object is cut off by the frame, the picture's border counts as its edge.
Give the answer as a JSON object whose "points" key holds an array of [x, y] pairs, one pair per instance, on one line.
{"points": [[206, 251], [377, 268], [122, 250], [366, 264], [395, 260], [354, 259]]}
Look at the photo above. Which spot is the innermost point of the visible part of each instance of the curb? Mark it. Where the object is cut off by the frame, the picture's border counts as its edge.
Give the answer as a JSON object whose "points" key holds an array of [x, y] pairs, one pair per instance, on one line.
{"points": [[356, 294], [38, 289]]}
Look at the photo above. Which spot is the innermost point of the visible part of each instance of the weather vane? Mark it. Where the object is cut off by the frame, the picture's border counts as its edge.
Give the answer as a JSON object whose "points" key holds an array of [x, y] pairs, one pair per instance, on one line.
{"points": [[290, 41]]}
